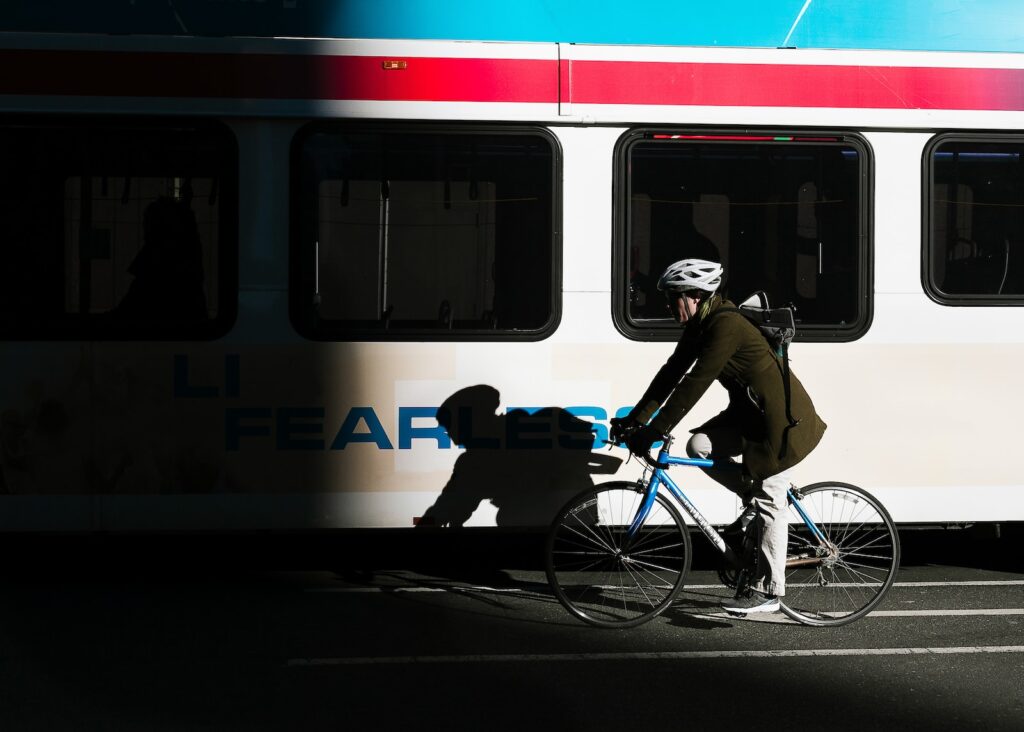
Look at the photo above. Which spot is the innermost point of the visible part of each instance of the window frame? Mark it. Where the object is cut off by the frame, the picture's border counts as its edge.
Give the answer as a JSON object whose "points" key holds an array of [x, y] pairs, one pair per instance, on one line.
{"points": [[94, 327], [807, 333], [933, 292], [299, 309]]}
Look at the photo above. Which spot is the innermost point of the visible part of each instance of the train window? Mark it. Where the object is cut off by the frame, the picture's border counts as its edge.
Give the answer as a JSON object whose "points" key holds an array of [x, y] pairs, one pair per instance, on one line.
{"points": [[974, 220], [116, 229], [786, 213], [424, 233]]}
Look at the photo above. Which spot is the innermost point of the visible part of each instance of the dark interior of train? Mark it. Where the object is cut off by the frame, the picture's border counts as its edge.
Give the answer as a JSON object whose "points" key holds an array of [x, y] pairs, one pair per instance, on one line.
{"points": [[111, 230], [785, 218], [977, 220], [425, 233]]}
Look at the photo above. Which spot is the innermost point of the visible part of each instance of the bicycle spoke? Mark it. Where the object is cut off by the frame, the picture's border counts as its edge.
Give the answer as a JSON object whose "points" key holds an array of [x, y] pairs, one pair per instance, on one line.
{"points": [[639, 586], [860, 562], [859, 573], [600, 541], [650, 566], [602, 576]]}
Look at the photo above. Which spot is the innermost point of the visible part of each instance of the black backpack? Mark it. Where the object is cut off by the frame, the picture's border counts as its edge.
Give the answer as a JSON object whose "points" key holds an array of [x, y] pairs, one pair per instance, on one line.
{"points": [[778, 327]]}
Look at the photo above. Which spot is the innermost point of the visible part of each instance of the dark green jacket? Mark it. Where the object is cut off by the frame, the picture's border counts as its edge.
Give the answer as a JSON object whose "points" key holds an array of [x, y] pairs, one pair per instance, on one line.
{"points": [[730, 349]]}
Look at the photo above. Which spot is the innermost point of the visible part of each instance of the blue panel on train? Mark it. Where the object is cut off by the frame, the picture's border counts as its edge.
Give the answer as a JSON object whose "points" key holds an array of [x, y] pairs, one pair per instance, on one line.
{"points": [[943, 25]]}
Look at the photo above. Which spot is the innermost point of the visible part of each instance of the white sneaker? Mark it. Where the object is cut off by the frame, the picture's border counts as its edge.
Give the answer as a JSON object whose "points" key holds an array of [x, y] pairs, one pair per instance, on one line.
{"points": [[752, 602]]}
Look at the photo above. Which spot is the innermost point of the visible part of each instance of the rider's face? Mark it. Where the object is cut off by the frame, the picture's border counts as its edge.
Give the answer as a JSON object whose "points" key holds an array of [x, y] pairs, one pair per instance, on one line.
{"points": [[683, 306]]}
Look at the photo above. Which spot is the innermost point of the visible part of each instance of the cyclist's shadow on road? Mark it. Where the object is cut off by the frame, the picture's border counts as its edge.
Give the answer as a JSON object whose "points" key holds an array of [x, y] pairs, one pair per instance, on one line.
{"points": [[527, 464], [689, 612]]}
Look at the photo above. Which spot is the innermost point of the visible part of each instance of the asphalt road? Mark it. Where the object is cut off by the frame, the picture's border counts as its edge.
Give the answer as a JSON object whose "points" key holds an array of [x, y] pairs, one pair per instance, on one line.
{"points": [[140, 645]]}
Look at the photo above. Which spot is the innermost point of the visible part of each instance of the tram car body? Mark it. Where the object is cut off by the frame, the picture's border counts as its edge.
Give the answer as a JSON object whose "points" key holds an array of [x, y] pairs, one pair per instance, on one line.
{"points": [[368, 282]]}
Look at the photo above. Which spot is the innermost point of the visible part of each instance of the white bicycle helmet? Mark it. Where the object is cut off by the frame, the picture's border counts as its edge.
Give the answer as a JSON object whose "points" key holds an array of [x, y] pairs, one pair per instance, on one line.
{"points": [[691, 274]]}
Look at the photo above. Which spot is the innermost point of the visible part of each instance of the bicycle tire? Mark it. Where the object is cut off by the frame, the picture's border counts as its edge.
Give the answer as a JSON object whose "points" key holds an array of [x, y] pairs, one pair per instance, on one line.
{"points": [[856, 572], [602, 578]]}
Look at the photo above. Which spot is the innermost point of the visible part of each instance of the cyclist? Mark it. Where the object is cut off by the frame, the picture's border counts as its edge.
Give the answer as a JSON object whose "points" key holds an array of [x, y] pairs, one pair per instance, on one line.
{"points": [[754, 426]]}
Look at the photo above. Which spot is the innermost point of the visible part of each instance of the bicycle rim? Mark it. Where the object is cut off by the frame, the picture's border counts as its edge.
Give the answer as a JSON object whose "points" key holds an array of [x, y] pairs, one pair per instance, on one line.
{"points": [[601, 576], [857, 564]]}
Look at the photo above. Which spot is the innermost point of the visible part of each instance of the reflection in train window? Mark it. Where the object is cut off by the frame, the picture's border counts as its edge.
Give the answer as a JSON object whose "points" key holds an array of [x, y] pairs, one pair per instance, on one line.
{"points": [[424, 234], [116, 230], [974, 250], [785, 213]]}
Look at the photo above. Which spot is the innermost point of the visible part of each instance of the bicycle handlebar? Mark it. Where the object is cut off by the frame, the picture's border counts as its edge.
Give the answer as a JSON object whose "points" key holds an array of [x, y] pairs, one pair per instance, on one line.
{"points": [[646, 457]]}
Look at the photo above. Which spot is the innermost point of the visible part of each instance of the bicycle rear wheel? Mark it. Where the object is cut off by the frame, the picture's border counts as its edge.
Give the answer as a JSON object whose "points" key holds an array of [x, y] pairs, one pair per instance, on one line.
{"points": [[844, 578], [603, 577]]}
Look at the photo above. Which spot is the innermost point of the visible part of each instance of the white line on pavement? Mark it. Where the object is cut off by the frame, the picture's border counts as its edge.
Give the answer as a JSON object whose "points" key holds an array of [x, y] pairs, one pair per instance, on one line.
{"points": [[651, 656], [777, 618], [970, 583], [476, 588], [919, 613]]}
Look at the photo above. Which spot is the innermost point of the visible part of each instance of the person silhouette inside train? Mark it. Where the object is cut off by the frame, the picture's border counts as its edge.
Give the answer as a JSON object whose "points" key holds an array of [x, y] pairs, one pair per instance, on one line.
{"points": [[168, 269]]}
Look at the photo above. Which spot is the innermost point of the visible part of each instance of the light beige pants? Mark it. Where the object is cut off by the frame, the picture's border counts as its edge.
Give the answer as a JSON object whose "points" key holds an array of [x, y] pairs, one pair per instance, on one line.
{"points": [[764, 501]]}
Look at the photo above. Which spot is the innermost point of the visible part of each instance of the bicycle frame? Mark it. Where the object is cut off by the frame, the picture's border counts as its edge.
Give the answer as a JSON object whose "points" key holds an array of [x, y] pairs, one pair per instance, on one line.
{"points": [[660, 476]]}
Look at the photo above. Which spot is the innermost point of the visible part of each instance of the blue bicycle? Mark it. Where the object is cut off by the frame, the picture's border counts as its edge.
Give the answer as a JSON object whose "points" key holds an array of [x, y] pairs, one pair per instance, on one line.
{"points": [[617, 554]]}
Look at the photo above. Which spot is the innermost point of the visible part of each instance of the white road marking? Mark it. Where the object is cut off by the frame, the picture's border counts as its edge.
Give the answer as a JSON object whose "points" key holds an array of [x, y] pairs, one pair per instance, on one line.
{"points": [[651, 656], [481, 588], [920, 613], [770, 618], [779, 618], [766, 618], [970, 583], [403, 588], [378, 589]]}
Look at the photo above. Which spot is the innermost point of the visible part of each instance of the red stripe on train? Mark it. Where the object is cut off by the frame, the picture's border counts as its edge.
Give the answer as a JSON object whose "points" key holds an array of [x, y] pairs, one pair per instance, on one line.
{"points": [[285, 76], [272, 76], [783, 85]]}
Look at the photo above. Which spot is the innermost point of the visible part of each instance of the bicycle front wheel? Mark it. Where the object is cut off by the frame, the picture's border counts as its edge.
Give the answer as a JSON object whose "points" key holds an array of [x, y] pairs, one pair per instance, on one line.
{"points": [[842, 578], [600, 574]]}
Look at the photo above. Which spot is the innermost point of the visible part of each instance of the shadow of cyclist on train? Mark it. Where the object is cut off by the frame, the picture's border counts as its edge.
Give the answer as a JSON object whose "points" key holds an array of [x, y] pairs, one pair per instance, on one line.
{"points": [[527, 464]]}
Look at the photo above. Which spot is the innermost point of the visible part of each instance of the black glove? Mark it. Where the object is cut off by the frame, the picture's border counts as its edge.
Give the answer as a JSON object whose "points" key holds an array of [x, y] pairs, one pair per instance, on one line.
{"points": [[640, 441], [622, 428]]}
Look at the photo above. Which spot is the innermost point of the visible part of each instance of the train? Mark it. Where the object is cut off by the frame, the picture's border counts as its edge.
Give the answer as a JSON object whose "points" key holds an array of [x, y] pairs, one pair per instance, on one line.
{"points": [[323, 282]]}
